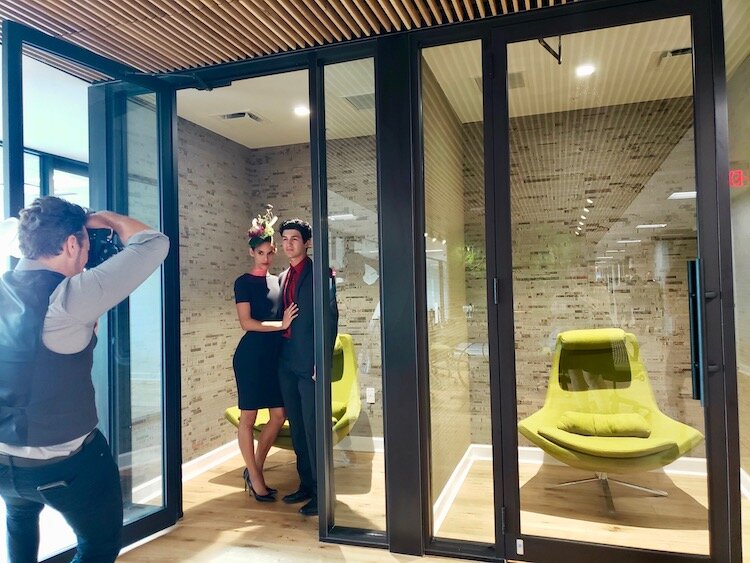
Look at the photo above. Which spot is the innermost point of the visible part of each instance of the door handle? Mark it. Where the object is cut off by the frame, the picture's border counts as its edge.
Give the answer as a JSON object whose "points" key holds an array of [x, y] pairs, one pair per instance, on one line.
{"points": [[696, 328]]}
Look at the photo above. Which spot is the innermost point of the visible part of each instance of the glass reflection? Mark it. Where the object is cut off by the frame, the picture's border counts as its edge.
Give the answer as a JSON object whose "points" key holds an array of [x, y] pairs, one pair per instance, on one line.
{"points": [[356, 388], [456, 287]]}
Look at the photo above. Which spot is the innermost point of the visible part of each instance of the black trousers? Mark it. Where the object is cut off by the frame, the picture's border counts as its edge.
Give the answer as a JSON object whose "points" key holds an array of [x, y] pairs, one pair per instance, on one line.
{"points": [[298, 391], [84, 488]]}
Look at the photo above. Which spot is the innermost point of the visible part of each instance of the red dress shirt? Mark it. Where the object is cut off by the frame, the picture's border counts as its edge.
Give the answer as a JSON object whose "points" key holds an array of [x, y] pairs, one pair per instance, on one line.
{"points": [[290, 288]]}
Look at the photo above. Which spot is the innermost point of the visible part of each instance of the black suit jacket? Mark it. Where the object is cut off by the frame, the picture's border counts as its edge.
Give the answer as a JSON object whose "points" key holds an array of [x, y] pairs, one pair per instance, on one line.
{"points": [[298, 352]]}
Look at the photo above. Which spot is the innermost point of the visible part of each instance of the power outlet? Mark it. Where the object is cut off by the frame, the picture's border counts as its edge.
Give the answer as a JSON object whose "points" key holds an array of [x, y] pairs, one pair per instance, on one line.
{"points": [[370, 394]]}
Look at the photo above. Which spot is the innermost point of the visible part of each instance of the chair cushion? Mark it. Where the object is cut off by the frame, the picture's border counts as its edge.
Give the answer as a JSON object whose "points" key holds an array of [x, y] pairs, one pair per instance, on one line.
{"points": [[606, 446], [601, 424], [591, 339]]}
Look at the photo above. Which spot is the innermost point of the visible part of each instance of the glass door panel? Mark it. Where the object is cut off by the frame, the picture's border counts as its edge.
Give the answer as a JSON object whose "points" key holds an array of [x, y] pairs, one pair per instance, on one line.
{"points": [[112, 127], [455, 265], [356, 381], [603, 234], [736, 22], [139, 408]]}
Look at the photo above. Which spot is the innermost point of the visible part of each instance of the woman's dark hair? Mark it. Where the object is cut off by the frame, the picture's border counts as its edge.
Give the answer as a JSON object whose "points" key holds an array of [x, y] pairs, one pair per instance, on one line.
{"points": [[298, 225], [255, 242], [46, 224]]}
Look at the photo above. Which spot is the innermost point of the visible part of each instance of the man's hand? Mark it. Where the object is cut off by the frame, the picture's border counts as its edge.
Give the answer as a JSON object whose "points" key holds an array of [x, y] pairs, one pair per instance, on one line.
{"points": [[124, 226]]}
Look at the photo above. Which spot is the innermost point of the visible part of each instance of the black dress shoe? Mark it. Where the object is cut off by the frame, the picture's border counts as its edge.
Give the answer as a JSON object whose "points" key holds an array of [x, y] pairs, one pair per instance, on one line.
{"points": [[310, 509], [297, 496]]}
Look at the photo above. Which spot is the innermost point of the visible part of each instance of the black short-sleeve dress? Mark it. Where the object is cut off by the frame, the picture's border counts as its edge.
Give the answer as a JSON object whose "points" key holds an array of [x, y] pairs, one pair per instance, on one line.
{"points": [[256, 358]]}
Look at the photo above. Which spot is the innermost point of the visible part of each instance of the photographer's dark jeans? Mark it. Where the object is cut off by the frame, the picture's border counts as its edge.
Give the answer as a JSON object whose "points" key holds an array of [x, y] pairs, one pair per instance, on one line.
{"points": [[84, 488]]}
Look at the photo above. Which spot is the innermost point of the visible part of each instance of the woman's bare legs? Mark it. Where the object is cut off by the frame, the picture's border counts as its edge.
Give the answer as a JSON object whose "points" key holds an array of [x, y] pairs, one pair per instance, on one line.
{"points": [[247, 447], [277, 416]]}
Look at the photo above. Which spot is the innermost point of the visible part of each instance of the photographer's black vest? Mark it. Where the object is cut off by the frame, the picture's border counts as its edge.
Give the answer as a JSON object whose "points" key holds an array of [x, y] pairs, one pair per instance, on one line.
{"points": [[45, 398]]}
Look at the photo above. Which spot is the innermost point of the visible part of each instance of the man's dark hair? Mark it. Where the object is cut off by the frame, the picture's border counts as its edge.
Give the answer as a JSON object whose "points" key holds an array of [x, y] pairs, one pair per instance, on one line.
{"points": [[298, 225], [46, 224]]}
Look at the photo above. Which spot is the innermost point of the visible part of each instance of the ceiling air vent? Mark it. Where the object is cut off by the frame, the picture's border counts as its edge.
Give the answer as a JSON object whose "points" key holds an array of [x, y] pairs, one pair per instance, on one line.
{"points": [[241, 115], [361, 101], [515, 80]]}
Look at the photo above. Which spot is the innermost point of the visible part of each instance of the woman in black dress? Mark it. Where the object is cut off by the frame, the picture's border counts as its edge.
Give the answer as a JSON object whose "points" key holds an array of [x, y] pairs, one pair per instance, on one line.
{"points": [[258, 301]]}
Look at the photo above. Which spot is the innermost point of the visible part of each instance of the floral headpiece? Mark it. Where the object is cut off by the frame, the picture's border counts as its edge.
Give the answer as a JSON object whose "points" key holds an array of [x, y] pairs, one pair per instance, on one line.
{"points": [[262, 227]]}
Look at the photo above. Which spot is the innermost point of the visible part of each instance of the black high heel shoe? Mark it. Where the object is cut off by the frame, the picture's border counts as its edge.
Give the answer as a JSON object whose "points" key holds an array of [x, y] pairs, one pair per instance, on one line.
{"points": [[268, 497]]}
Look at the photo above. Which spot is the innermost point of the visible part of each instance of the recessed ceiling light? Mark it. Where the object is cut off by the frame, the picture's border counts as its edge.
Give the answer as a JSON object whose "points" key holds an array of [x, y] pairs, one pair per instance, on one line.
{"points": [[585, 70], [652, 226], [682, 195], [578, 233], [605, 257], [583, 217], [614, 251], [585, 209], [580, 223], [301, 111], [628, 241], [589, 200]]}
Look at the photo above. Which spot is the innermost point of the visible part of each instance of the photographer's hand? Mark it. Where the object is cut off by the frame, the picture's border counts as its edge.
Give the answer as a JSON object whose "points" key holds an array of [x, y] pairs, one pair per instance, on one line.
{"points": [[124, 226]]}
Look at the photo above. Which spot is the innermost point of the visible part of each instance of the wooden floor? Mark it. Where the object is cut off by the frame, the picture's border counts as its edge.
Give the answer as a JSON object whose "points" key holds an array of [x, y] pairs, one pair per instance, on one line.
{"points": [[222, 523]]}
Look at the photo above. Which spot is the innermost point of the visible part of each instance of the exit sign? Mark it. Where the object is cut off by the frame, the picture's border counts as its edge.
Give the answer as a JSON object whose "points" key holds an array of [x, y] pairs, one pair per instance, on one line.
{"points": [[737, 178]]}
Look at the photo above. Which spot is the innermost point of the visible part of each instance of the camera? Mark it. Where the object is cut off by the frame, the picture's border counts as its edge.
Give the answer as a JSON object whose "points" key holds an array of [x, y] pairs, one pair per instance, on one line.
{"points": [[103, 245]]}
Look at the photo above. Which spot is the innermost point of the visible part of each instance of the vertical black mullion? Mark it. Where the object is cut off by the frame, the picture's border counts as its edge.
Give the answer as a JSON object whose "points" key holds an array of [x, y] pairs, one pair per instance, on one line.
{"points": [[420, 296], [714, 222], [166, 107], [13, 119], [99, 120], [493, 65], [398, 234], [505, 436], [326, 500], [45, 174]]}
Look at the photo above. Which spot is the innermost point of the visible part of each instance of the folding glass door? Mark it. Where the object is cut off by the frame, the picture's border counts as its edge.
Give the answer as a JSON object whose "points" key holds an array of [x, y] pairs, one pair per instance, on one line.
{"points": [[66, 102], [610, 326]]}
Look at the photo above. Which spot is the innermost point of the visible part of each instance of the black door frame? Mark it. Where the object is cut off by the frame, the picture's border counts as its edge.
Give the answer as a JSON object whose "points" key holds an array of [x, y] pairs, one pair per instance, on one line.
{"points": [[715, 251], [15, 37]]}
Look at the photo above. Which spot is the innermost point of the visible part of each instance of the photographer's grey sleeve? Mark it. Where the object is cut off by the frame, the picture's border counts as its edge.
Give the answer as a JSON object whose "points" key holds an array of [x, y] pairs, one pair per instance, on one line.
{"points": [[79, 301]]}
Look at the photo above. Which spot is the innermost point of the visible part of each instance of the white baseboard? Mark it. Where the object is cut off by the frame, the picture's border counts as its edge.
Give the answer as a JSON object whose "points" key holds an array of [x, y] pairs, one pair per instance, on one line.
{"points": [[446, 497]]}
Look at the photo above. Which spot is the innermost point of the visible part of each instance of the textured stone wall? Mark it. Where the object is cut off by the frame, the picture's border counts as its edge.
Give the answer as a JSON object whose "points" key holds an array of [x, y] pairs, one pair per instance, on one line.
{"points": [[215, 198], [557, 283], [222, 186]]}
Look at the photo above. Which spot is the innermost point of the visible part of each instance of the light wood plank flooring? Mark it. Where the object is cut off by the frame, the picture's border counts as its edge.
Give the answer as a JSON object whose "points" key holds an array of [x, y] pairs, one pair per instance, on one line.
{"points": [[222, 523]]}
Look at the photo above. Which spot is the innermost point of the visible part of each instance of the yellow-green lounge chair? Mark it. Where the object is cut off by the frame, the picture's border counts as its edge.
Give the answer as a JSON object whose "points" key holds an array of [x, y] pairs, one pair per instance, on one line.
{"points": [[600, 414], [345, 400]]}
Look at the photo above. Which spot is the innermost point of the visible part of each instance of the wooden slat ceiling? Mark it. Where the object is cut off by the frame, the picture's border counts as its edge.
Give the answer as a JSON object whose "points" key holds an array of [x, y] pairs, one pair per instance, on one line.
{"points": [[167, 35]]}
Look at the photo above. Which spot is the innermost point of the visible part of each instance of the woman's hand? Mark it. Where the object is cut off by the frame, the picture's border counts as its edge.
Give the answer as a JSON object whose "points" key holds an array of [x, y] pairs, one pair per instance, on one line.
{"points": [[290, 313]]}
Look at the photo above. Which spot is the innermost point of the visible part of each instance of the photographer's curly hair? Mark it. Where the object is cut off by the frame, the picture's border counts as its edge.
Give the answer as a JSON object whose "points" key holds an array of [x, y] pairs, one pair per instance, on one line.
{"points": [[46, 224], [303, 227]]}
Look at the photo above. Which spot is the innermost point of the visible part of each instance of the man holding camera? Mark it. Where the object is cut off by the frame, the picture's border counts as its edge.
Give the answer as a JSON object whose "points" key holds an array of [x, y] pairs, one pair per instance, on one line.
{"points": [[50, 450]]}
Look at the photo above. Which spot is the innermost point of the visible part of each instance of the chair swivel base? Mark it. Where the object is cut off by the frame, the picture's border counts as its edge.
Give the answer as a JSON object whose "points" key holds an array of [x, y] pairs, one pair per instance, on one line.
{"points": [[604, 482]]}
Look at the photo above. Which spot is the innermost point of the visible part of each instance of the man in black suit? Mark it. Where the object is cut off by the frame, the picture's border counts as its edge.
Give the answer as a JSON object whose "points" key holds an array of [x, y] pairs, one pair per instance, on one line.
{"points": [[297, 362]]}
